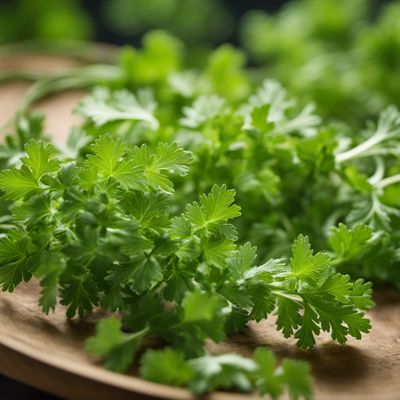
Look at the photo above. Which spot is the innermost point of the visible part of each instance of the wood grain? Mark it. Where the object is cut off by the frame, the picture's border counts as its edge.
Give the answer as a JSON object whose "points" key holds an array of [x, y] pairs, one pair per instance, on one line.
{"points": [[47, 351]]}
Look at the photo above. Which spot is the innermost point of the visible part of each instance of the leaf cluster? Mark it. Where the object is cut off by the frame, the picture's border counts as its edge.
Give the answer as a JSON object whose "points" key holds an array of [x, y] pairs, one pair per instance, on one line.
{"points": [[106, 229]]}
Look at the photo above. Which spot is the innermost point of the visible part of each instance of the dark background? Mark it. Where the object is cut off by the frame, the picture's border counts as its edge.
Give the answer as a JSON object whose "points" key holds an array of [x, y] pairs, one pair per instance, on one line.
{"points": [[10, 389], [236, 7]]}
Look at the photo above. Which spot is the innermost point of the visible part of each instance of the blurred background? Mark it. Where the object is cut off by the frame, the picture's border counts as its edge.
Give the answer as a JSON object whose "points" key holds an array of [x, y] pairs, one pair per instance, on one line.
{"points": [[290, 39], [344, 56], [124, 21]]}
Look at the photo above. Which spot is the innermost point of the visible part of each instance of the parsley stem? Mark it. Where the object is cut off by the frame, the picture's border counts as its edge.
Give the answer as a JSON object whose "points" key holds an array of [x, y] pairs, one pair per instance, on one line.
{"points": [[291, 296], [388, 181], [136, 335], [361, 149], [68, 80], [379, 172], [72, 79], [19, 75]]}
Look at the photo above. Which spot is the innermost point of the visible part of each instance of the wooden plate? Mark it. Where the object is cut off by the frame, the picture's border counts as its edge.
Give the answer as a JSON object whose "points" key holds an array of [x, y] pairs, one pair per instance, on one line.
{"points": [[47, 351]]}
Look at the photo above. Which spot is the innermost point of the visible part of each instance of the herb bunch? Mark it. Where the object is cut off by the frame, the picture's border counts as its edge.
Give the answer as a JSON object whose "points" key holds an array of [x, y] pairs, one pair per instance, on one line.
{"points": [[188, 203], [104, 229], [293, 173]]}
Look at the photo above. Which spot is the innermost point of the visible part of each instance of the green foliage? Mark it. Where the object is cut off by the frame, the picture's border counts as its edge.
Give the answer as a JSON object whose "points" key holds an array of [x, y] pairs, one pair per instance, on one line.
{"points": [[292, 172], [103, 107], [108, 229], [160, 55], [117, 348], [306, 266], [350, 243], [191, 20], [166, 366], [338, 55], [228, 371], [44, 19], [17, 183], [140, 213]]}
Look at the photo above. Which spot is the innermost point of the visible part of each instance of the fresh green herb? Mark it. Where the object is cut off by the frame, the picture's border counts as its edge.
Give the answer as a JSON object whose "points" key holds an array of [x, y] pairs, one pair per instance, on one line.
{"points": [[293, 174], [339, 55], [158, 221], [228, 371], [101, 230]]}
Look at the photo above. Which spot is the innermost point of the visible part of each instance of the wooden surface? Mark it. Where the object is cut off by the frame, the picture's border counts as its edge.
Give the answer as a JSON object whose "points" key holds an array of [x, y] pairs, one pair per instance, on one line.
{"points": [[47, 351], [61, 118]]}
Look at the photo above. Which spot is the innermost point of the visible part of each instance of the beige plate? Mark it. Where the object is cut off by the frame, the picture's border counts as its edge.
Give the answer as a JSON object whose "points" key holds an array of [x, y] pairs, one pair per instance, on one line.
{"points": [[47, 351]]}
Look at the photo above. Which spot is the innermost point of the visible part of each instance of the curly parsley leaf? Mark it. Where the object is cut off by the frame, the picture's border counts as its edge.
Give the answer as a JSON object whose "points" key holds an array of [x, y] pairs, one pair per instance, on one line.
{"points": [[104, 106], [212, 209], [167, 159], [41, 158]]}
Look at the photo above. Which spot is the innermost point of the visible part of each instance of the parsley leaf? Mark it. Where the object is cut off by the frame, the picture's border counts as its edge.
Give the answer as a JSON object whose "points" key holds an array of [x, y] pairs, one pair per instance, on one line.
{"points": [[166, 366], [305, 265], [41, 158], [103, 106], [17, 183], [213, 209], [118, 348]]}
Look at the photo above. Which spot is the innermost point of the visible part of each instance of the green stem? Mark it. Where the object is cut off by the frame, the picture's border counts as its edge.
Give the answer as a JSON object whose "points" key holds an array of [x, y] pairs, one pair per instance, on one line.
{"points": [[388, 181], [290, 296], [361, 149], [73, 79], [20, 75], [136, 335]]}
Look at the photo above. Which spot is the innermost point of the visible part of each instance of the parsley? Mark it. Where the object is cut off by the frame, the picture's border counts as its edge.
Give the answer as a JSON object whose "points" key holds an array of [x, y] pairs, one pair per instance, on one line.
{"points": [[228, 371], [102, 230], [189, 203], [323, 50], [278, 153], [117, 348], [104, 107]]}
